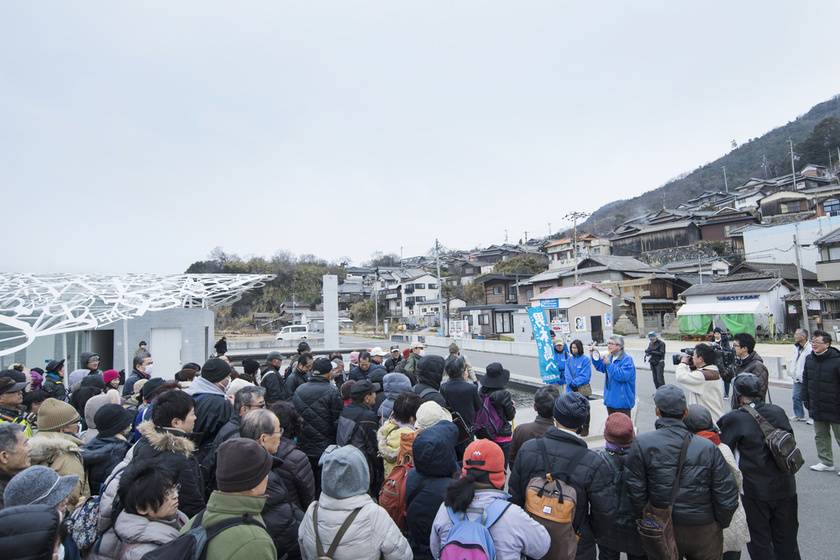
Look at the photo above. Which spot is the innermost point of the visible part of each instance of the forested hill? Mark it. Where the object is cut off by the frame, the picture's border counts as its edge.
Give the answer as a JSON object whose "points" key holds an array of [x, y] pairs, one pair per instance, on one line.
{"points": [[812, 135]]}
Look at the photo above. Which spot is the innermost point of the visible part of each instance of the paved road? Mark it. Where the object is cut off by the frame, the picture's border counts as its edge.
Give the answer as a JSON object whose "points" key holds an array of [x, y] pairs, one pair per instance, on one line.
{"points": [[819, 493]]}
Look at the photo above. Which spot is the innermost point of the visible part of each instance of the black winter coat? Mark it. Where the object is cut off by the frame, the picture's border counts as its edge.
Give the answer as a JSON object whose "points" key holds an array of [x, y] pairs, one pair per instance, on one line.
{"points": [[463, 397], [228, 431], [275, 385], [29, 532], [176, 450], [435, 466], [357, 426], [296, 379], [296, 472], [503, 403], [592, 479], [821, 386], [430, 380], [707, 489], [763, 480], [282, 518], [133, 377], [754, 364], [319, 403], [100, 456]]}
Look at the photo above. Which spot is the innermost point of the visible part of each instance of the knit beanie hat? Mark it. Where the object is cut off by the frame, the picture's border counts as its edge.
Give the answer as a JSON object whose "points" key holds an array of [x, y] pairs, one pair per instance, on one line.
{"points": [[619, 429], [55, 414], [344, 472], [430, 413], [236, 385], [215, 369], [453, 348], [347, 388], [486, 455], [242, 464], [110, 375], [38, 485], [571, 409], [250, 366], [112, 419]]}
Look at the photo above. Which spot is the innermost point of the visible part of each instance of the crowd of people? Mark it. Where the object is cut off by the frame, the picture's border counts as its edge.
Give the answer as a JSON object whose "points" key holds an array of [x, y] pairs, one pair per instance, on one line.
{"points": [[397, 455]]}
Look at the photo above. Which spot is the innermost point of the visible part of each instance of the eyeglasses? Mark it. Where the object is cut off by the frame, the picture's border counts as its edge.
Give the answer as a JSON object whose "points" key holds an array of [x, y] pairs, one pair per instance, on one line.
{"points": [[818, 341], [172, 492]]}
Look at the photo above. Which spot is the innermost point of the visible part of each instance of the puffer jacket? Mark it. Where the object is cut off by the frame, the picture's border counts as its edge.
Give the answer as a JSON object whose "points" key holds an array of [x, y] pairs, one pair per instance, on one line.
{"points": [[392, 385], [63, 454], [411, 363], [29, 532], [821, 386], [372, 535], [177, 451], [100, 457], [592, 479], [503, 403], [434, 466], [707, 490], [136, 534], [462, 396], [296, 472], [388, 441], [274, 384], [620, 382], [514, 533], [295, 379], [751, 364], [319, 404], [242, 542], [282, 518]]}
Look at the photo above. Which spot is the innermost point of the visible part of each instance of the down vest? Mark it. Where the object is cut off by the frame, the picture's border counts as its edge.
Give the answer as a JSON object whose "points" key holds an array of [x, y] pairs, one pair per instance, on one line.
{"points": [[821, 386], [707, 489], [319, 404], [372, 535]]}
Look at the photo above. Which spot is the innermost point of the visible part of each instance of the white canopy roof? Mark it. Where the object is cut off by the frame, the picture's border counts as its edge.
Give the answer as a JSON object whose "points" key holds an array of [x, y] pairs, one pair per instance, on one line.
{"points": [[725, 307]]}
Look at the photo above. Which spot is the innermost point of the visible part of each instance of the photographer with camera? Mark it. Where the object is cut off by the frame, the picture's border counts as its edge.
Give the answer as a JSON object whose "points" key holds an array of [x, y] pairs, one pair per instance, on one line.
{"points": [[655, 354], [701, 380], [746, 361]]}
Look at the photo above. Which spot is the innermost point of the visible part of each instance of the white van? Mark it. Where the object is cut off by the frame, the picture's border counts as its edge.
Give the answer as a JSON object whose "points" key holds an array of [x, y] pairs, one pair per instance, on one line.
{"points": [[293, 332]]}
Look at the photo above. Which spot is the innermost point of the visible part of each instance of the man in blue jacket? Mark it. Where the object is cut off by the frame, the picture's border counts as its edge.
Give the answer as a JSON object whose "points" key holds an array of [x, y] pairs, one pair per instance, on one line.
{"points": [[620, 382]]}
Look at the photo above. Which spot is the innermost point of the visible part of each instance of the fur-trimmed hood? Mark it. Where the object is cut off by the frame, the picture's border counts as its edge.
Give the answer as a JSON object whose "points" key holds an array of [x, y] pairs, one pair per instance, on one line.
{"points": [[167, 440], [48, 445]]}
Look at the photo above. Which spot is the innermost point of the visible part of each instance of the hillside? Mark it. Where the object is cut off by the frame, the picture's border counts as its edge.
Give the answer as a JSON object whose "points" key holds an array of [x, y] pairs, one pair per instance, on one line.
{"points": [[743, 162]]}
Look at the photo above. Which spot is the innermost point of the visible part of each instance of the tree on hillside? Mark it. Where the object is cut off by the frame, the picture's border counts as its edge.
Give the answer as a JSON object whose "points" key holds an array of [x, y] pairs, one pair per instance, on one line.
{"points": [[520, 264], [365, 311], [380, 259], [824, 140], [474, 294]]}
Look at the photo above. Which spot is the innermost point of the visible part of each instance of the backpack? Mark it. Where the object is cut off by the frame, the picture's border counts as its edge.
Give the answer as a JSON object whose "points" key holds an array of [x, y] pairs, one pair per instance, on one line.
{"points": [[781, 443], [551, 502], [406, 454], [471, 540], [625, 521], [192, 545], [487, 421], [392, 496], [83, 523]]}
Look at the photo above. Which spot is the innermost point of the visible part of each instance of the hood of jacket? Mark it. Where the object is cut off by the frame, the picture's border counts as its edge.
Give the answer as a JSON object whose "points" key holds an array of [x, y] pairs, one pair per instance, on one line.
{"points": [[131, 528], [51, 444], [430, 371], [166, 440], [434, 450], [101, 449], [83, 359], [92, 406], [377, 373], [395, 383], [201, 385]]}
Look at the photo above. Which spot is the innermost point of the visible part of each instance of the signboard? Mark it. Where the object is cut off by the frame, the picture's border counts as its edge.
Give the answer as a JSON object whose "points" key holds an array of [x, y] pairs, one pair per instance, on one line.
{"points": [[550, 303], [548, 367], [580, 324], [560, 326], [457, 329]]}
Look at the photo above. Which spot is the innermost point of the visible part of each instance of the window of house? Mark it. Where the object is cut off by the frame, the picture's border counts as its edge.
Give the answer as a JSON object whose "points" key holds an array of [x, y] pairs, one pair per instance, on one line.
{"points": [[544, 288], [420, 286], [418, 299], [468, 319], [433, 286], [512, 292], [529, 294], [504, 323], [834, 253], [831, 206], [484, 319], [497, 290]]}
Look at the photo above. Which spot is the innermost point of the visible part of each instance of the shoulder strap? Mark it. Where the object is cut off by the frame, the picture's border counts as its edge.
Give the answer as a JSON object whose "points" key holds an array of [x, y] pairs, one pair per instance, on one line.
{"points": [[683, 453], [610, 460], [765, 426], [416, 492], [494, 512], [319, 548], [426, 392], [570, 468]]}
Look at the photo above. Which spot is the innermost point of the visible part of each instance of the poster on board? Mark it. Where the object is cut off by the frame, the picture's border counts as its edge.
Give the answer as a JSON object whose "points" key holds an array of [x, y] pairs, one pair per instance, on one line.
{"points": [[580, 324]]}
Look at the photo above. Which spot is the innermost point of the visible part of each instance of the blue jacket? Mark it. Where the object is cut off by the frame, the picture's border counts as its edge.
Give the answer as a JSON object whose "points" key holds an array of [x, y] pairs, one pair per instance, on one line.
{"points": [[578, 371], [620, 384], [561, 359]]}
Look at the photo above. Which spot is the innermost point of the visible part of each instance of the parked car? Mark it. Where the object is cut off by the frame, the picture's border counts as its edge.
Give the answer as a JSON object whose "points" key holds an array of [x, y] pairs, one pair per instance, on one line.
{"points": [[293, 332]]}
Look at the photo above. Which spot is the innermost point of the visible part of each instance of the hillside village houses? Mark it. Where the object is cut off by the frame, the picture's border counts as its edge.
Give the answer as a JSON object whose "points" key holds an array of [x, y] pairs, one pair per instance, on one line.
{"points": [[737, 245]]}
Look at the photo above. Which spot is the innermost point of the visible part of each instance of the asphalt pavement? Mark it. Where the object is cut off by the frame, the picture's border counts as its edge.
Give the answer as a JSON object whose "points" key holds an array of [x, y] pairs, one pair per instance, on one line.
{"points": [[819, 492]]}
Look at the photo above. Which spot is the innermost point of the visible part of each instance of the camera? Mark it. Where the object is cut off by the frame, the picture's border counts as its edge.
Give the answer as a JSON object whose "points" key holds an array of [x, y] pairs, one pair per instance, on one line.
{"points": [[723, 358], [677, 358]]}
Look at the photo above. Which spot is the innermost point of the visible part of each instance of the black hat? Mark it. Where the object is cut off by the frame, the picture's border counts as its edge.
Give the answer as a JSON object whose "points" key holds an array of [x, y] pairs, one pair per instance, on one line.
{"points": [[54, 365], [18, 376], [274, 355], [495, 376], [250, 366], [571, 409], [215, 369], [321, 366], [364, 387], [670, 400], [94, 380], [717, 329], [699, 419], [747, 385], [150, 386], [9, 385], [242, 464], [112, 419], [303, 347]]}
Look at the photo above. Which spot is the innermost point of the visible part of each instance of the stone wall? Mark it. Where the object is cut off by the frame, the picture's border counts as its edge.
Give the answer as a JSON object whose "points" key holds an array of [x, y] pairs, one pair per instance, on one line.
{"points": [[703, 249]]}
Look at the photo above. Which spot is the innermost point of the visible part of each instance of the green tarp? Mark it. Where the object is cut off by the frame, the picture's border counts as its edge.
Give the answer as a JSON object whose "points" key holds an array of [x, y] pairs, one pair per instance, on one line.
{"points": [[739, 323], [695, 324]]}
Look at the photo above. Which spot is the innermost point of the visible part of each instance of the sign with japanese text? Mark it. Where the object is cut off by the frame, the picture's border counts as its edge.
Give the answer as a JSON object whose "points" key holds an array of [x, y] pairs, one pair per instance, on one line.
{"points": [[457, 329], [548, 367]]}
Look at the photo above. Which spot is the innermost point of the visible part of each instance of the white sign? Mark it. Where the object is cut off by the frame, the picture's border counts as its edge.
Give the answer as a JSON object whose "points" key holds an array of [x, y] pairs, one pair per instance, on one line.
{"points": [[457, 329]]}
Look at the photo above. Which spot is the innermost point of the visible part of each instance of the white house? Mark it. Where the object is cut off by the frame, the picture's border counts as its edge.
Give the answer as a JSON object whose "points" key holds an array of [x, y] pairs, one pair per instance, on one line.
{"points": [[775, 244], [578, 312]]}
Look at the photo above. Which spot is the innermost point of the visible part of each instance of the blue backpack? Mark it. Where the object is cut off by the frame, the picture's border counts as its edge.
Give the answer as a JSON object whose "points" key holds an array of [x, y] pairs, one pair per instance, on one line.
{"points": [[471, 540]]}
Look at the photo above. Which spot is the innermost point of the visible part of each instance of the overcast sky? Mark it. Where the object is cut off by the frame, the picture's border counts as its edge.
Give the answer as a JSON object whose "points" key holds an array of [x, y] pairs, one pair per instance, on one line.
{"points": [[139, 136]]}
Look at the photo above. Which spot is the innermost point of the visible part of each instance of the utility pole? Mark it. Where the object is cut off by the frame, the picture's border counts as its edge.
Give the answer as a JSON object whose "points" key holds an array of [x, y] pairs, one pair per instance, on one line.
{"points": [[526, 241], [439, 290], [700, 266], [574, 216], [294, 308], [792, 166], [725, 182], [376, 300], [549, 223], [801, 285]]}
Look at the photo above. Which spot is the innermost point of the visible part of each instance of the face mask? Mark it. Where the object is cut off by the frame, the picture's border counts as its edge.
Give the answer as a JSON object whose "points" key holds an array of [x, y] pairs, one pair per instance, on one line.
{"points": [[149, 369], [60, 554]]}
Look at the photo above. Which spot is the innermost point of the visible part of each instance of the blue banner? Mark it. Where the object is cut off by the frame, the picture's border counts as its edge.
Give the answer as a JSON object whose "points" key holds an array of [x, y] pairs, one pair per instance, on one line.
{"points": [[548, 367]]}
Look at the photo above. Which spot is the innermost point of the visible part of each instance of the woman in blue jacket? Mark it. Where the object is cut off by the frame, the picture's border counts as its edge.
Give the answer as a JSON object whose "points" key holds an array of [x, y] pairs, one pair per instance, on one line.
{"points": [[620, 381], [578, 372]]}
